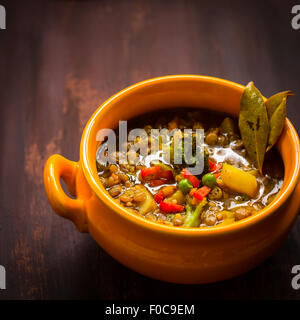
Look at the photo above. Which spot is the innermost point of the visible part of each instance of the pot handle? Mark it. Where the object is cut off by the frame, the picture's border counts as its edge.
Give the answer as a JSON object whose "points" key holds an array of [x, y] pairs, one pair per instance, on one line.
{"points": [[73, 209]]}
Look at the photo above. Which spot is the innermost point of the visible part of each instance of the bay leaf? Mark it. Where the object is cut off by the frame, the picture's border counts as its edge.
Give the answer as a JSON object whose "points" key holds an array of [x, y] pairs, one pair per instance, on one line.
{"points": [[274, 101], [254, 124], [277, 123]]}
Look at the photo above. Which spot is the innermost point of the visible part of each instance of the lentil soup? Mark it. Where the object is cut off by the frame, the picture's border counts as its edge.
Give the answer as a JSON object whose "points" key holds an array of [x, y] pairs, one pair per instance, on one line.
{"points": [[230, 187]]}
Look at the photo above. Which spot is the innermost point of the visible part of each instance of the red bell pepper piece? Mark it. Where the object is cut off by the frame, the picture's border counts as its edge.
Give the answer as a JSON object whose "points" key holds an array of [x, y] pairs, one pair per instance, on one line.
{"points": [[192, 179], [156, 172], [166, 174], [217, 174], [152, 171], [201, 193], [156, 183], [170, 207], [214, 167], [159, 197]]}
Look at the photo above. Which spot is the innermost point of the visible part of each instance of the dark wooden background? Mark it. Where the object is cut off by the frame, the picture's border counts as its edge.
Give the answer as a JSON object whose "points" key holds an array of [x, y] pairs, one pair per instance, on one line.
{"points": [[58, 61]]}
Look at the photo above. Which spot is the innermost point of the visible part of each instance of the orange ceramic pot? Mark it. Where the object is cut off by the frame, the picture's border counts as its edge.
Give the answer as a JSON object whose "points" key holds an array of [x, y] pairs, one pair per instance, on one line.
{"points": [[180, 255]]}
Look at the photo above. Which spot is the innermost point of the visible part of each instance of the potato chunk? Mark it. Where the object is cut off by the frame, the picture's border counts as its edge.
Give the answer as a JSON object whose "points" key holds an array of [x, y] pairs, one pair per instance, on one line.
{"points": [[239, 180], [178, 196], [148, 205]]}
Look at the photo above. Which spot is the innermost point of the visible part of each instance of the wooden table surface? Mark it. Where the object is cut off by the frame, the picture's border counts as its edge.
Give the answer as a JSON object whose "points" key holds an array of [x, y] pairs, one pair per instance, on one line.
{"points": [[59, 60]]}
